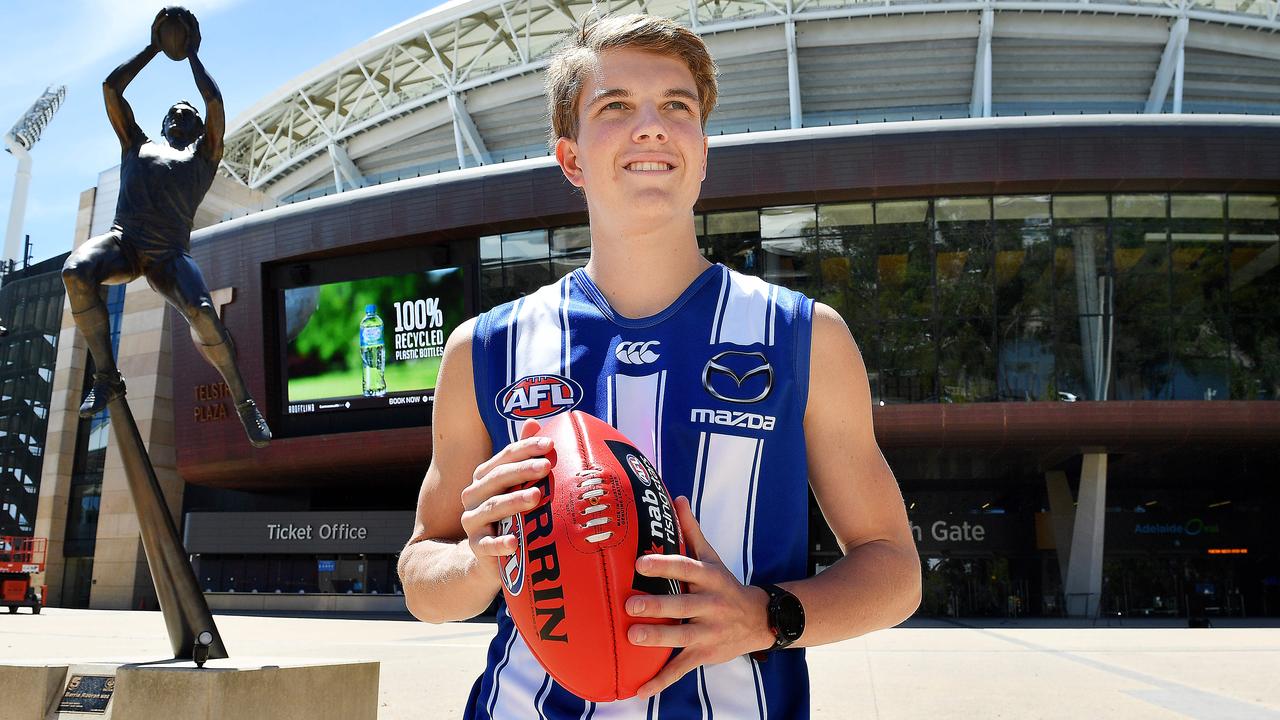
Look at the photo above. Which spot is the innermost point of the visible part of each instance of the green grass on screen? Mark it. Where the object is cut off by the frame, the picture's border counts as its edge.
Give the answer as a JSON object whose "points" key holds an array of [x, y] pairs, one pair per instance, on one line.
{"points": [[420, 375]]}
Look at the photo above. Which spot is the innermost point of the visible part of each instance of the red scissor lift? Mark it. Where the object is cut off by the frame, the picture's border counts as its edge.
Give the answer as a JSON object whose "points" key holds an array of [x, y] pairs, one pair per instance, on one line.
{"points": [[20, 558]]}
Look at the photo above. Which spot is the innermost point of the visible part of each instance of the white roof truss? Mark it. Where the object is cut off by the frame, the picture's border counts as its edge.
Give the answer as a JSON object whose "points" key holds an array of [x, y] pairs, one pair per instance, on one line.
{"points": [[1172, 64], [980, 99], [468, 44]]}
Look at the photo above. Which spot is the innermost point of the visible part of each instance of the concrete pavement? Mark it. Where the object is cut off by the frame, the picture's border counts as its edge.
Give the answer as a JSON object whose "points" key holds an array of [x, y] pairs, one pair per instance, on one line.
{"points": [[926, 669]]}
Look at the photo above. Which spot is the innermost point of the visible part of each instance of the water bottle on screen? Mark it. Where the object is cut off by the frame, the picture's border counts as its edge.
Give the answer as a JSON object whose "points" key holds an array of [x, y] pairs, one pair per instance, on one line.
{"points": [[373, 353]]}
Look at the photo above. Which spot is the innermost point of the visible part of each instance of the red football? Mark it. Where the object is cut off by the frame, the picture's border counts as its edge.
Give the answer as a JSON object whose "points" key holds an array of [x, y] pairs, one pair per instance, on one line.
{"points": [[603, 505]]}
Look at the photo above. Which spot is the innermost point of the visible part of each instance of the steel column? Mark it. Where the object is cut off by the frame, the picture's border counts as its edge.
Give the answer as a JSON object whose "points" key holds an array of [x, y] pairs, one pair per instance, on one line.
{"points": [[793, 75], [1083, 588], [980, 98], [464, 130], [343, 165], [1170, 65], [18, 205]]}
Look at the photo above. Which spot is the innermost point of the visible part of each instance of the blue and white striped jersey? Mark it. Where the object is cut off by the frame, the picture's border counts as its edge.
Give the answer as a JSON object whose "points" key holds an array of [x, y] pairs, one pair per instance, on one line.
{"points": [[713, 390]]}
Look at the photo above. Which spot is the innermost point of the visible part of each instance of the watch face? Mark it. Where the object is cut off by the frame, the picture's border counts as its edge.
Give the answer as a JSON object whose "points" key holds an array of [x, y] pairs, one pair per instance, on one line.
{"points": [[790, 618]]}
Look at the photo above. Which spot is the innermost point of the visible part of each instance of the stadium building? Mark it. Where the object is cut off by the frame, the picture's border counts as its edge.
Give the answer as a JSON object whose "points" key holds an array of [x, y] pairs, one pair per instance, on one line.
{"points": [[31, 302], [1052, 227]]}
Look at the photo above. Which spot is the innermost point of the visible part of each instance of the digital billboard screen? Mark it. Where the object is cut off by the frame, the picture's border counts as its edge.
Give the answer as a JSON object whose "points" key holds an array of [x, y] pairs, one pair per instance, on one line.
{"points": [[369, 343]]}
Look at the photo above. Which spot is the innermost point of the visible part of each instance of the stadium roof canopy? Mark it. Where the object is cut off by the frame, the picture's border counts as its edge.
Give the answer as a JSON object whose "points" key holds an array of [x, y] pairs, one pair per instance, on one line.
{"points": [[461, 85]]}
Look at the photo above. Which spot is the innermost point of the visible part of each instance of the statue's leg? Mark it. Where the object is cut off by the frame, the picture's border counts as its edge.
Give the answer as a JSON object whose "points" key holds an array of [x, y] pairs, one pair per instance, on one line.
{"points": [[179, 280], [100, 261]]}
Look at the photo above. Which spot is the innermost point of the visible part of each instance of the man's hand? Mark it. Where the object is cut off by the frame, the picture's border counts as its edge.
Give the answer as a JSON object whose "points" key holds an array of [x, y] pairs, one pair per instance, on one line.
{"points": [[488, 499], [155, 29], [726, 619], [193, 28], [193, 32]]}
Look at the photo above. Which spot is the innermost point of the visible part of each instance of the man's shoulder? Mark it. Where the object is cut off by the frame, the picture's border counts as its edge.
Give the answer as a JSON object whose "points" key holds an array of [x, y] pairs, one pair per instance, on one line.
{"points": [[775, 300], [496, 316], [136, 144], [757, 285], [204, 153]]}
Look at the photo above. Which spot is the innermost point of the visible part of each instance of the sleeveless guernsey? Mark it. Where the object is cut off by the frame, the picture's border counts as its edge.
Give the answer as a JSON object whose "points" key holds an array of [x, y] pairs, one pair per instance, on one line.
{"points": [[160, 190], [713, 391]]}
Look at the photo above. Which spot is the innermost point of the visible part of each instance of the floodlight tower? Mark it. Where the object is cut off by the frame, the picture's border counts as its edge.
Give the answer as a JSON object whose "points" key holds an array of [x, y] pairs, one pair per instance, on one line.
{"points": [[18, 142]]}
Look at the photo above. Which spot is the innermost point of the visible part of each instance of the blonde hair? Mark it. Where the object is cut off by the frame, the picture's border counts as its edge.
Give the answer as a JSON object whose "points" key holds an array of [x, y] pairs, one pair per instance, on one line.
{"points": [[570, 65]]}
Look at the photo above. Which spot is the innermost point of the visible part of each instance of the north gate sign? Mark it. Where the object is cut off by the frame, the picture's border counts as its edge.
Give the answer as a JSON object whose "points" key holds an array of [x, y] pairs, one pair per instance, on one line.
{"points": [[973, 533]]}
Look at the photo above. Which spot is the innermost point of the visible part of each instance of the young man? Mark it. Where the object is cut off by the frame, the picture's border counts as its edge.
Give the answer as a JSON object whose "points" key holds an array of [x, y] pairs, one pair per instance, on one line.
{"points": [[654, 339]]}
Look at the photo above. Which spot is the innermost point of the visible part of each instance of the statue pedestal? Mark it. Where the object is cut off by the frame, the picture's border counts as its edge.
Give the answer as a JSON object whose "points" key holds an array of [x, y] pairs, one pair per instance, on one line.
{"points": [[242, 689]]}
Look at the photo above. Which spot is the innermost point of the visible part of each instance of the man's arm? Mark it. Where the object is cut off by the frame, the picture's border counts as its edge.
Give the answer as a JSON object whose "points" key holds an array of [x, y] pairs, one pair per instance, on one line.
{"points": [[448, 568], [215, 119], [875, 585], [877, 582], [118, 110]]}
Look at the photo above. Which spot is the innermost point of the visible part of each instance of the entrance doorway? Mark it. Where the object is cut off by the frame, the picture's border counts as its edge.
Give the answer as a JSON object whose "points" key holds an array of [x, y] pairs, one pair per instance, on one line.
{"points": [[971, 587], [1174, 586], [77, 582]]}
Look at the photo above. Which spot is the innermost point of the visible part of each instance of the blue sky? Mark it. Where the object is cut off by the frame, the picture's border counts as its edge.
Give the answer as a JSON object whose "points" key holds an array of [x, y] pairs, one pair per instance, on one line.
{"points": [[250, 49]]}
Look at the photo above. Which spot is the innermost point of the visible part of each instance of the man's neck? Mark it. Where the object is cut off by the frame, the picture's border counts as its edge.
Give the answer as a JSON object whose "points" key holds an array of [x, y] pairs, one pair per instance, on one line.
{"points": [[641, 274]]}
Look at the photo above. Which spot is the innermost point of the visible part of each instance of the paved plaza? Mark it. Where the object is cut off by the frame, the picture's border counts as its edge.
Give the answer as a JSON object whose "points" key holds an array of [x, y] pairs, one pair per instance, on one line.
{"points": [[926, 669]]}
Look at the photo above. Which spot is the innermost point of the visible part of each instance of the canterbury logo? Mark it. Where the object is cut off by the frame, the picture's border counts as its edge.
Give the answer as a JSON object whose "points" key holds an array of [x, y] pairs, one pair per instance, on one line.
{"points": [[636, 353]]}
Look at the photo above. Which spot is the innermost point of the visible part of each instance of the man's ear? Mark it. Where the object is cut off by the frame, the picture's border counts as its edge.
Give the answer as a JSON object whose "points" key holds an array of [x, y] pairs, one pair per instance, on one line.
{"points": [[567, 157], [705, 145]]}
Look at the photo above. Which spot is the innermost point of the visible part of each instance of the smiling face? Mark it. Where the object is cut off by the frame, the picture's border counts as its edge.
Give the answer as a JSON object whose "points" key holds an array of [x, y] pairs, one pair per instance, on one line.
{"points": [[640, 155]]}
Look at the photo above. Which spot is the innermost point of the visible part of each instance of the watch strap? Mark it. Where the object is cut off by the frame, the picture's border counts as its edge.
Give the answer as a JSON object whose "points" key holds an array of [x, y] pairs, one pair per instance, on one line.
{"points": [[771, 614]]}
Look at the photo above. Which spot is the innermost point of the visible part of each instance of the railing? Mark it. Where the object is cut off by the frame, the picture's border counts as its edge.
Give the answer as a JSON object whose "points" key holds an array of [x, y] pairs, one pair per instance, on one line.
{"points": [[25, 550]]}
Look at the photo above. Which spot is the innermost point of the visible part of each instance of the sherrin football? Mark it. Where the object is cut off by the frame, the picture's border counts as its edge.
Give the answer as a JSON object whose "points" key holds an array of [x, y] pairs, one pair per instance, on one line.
{"points": [[173, 34], [602, 506]]}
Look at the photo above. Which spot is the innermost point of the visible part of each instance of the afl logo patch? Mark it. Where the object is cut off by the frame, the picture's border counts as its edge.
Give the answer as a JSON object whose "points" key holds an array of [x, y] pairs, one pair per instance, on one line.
{"points": [[641, 470], [538, 396], [513, 565]]}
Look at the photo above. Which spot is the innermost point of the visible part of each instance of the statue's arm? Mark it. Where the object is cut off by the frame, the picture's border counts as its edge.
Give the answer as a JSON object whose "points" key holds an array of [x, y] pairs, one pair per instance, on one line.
{"points": [[215, 120], [118, 110]]}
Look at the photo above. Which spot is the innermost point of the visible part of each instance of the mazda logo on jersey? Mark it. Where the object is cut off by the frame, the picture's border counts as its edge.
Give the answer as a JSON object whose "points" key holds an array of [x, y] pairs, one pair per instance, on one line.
{"points": [[738, 377], [538, 396]]}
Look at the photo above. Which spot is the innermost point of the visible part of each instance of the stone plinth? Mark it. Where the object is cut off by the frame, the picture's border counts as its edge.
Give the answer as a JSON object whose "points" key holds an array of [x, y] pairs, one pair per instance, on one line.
{"points": [[239, 688]]}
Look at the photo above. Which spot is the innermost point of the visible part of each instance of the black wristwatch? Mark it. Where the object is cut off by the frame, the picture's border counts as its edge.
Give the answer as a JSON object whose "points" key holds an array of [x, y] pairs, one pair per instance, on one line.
{"points": [[786, 618]]}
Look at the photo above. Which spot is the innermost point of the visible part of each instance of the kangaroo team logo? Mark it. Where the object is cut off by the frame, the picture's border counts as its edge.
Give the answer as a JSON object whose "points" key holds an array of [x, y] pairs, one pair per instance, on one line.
{"points": [[513, 565], [538, 396]]}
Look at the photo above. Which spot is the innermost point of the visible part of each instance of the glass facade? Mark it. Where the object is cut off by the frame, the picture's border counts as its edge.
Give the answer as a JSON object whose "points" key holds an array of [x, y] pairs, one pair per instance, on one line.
{"points": [[1055, 298], [31, 308], [85, 498], [516, 263], [353, 574], [1143, 296], [1170, 544]]}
